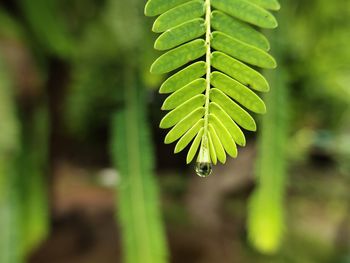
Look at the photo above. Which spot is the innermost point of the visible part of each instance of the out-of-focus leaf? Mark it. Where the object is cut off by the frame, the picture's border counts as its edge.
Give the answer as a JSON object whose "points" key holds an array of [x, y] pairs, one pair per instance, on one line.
{"points": [[266, 217], [10, 237], [138, 204], [47, 24]]}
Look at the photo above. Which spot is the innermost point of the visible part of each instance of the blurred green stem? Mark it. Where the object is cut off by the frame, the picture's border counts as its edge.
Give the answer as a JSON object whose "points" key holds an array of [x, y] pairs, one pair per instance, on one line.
{"points": [[10, 230], [33, 182], [138, 201], [266, 209]]}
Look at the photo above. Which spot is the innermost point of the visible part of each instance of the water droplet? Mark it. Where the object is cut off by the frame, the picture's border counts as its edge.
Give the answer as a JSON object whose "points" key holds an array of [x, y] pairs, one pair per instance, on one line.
{"points": [[203, 164], [203, 169]]}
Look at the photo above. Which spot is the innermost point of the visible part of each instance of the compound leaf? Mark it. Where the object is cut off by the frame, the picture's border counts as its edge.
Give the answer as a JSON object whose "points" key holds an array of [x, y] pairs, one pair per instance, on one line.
{"points": [[213, 45]]}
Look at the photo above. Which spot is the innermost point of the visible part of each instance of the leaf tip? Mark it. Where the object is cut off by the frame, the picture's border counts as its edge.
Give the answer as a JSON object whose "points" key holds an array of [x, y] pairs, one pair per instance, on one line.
{"points": [[152, 68], [177, 149], [162, 90], [148, 11], [275, 24], [274, 64], [223, 161], [167, 140], [161, 125], [164, 107], [156, 27]]}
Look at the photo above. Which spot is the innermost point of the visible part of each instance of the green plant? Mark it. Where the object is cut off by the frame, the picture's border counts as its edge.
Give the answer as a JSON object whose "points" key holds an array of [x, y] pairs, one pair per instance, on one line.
{"points": [[220, 45], [23, 159], [138, 213], [10, 238], [138, 207], [32, 179], [265, 221], [266, 213], [47, 26]]}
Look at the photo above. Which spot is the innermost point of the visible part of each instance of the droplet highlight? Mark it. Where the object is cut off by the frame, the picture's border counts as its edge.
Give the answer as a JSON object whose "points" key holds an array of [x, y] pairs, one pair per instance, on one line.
{"points": [[203, 169]]}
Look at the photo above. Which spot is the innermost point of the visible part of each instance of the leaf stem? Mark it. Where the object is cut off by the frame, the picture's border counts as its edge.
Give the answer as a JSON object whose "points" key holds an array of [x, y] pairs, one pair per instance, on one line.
{"points": [[135, 189], [208, 63]]}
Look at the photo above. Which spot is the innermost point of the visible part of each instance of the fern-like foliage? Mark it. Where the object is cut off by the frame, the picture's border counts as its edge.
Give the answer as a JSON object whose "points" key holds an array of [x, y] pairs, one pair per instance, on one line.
{"points": [[139, 215], [215, 46]]}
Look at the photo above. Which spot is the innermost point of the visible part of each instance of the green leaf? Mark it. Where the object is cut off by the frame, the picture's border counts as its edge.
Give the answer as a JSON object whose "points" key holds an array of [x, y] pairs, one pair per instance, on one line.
{"points": [[238, 92], [48, 26], [183, 77], [157, 7], [194, 146], [239, 30], [180, 34], [189, 135], [266, 214], [246, 11], [179, 56], [232, 127], [219, 150], [182, 95], [182, 111], [239, 71], [10, 215], [268, 4], [211, 109], [178, 15], [224, 136], [239, 115], [33, 161], [139, 211], [213, 156], [242, 51], [184, 125]]}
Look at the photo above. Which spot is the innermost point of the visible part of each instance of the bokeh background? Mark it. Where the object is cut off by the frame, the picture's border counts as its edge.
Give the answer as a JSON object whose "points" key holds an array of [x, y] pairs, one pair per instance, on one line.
{"points": [[85, 176]]}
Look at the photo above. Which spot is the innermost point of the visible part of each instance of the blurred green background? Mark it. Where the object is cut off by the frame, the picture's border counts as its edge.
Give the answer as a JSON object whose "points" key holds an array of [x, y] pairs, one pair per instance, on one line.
{"points": [[85, 176]]}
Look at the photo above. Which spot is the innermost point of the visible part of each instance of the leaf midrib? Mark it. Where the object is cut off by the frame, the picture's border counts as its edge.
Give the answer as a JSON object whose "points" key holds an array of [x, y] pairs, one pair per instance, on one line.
{"points": [[208, 64]]}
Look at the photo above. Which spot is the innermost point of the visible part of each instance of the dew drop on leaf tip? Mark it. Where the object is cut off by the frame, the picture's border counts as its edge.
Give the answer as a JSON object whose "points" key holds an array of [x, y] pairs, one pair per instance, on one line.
{"points": [[203, 164], [203, 169]]}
